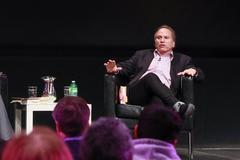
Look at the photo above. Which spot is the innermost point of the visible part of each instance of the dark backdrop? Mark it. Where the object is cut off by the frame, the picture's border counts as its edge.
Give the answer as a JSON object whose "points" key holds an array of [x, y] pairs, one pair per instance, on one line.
{"points": [[212, 23], [71, 41]]}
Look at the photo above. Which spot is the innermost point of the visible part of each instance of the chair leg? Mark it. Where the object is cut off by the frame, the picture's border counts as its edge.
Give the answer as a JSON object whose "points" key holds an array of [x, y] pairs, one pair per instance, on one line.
{"points": [[190, 145]]}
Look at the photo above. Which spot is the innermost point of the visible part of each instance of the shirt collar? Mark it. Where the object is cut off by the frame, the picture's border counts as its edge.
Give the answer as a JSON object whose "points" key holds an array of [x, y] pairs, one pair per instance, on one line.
{"points": [[157, 54]]}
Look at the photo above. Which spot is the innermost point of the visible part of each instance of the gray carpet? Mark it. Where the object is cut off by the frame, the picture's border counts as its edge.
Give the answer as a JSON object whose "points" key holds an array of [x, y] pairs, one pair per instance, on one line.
{"points": [[211, 153]]}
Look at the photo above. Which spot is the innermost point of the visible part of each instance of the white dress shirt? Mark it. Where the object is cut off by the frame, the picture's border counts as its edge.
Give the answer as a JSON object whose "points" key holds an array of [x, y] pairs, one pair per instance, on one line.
{"points": [[160, 66]]}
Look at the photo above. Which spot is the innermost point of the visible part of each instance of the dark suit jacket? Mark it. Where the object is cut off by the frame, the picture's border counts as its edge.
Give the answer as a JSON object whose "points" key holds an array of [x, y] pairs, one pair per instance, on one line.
{"points": [[137, 65]]}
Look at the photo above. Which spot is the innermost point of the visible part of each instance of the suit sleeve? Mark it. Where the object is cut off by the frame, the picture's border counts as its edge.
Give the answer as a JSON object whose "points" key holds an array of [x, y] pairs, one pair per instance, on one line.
{"points": [[129, 66]]}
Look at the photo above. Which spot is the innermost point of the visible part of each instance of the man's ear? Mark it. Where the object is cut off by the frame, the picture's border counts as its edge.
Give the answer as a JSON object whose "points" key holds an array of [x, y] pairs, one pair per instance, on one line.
{"points": [[174, 44], [135, 131], [59, 131], [57, 126]]}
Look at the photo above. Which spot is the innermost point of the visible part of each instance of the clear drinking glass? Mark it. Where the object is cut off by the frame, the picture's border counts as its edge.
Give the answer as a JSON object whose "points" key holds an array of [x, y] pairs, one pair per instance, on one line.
{"points": [[66, 90], [32, 91]]}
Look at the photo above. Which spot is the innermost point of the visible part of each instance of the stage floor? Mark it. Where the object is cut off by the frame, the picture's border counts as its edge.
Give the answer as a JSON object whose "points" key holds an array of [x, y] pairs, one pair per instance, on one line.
{"points": [[217, 153]]}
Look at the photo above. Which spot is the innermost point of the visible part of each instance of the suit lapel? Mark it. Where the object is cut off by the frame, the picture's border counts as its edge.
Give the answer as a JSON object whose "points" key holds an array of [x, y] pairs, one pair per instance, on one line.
{"points": [[175, 68], [146, 61], [149, 58], [173, 72]]}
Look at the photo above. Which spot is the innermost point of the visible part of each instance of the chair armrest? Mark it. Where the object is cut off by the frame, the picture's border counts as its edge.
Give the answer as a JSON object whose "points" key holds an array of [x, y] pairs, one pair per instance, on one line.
{"points": [[187, 89], [109, 95]]}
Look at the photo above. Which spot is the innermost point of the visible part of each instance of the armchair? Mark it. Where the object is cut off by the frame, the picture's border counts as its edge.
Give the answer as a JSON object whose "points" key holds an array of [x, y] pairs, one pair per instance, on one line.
{"points": [[6, 130], [129, 113]]}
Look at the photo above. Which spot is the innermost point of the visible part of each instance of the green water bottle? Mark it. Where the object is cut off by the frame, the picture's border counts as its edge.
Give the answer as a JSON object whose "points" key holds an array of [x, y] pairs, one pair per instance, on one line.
{"points": [[73, 90]]}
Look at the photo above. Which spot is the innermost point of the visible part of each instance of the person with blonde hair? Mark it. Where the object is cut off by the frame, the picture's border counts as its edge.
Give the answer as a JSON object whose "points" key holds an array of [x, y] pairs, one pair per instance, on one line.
{"points": [[41, 144]]}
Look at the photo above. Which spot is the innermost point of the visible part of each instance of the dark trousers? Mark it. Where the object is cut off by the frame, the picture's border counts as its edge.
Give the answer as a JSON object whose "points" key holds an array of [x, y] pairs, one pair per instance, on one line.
{"points": [[150, 89]]}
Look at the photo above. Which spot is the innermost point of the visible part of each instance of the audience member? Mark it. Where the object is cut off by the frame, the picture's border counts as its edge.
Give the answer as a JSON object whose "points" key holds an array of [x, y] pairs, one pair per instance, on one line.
{"points": [[156, 134], [71, 116], [41, 144], [107, 139]]}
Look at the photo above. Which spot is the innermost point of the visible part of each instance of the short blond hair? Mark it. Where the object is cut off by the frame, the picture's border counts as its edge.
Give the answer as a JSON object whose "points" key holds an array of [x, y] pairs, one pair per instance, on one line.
{"points": [[42, 144]]}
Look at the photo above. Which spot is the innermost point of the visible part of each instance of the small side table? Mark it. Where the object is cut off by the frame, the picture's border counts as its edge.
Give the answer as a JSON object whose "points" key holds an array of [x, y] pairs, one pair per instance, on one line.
{"points": [[30, 108]]}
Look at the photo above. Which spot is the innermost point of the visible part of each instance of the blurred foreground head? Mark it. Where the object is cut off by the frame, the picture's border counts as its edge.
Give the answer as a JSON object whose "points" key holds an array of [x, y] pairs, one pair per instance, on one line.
{"points": [[71, 116], [41, 144], [107, 139], [159, 122]]}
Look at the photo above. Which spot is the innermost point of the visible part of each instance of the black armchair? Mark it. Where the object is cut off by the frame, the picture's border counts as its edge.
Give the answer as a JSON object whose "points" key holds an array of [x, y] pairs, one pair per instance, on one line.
{"points": [[129, 113]]}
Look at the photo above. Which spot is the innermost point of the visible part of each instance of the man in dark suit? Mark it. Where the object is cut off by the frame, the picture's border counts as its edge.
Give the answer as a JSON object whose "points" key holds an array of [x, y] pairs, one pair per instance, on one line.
{"points": [[71, 116], [154, 74]]}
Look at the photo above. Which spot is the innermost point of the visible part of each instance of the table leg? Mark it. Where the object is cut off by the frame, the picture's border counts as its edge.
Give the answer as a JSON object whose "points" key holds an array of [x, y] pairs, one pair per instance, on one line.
{"points": [[90, 116], [29, 120], [18, 120]]}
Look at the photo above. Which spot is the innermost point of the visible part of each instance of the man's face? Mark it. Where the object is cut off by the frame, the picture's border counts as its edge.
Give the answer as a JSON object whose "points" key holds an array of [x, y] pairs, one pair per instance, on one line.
{"points": [[164, 42]]}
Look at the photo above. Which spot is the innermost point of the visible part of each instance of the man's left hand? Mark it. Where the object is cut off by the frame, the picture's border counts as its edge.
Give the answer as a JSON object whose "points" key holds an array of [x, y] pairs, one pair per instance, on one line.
{"points": [[189, 72]]}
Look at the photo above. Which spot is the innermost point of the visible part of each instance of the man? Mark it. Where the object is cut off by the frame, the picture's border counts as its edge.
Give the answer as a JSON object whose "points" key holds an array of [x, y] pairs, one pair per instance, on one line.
{"points": [[154, 74], [71, 116], [107, 138], [156, 134]]}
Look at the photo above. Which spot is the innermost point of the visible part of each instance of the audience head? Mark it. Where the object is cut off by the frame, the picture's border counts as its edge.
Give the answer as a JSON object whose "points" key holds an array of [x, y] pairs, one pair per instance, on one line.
{"points": [[71, 116], [159, 122], [41, 144], [108, 139]]}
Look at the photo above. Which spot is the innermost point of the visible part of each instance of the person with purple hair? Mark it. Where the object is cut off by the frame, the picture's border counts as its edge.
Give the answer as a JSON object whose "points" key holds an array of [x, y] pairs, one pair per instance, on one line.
{"points": [[107, 139], [156, 134]]}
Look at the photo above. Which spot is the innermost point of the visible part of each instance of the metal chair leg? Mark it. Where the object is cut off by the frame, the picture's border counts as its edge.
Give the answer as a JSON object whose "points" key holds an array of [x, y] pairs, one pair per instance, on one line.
{"points": [[190, 145]]}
